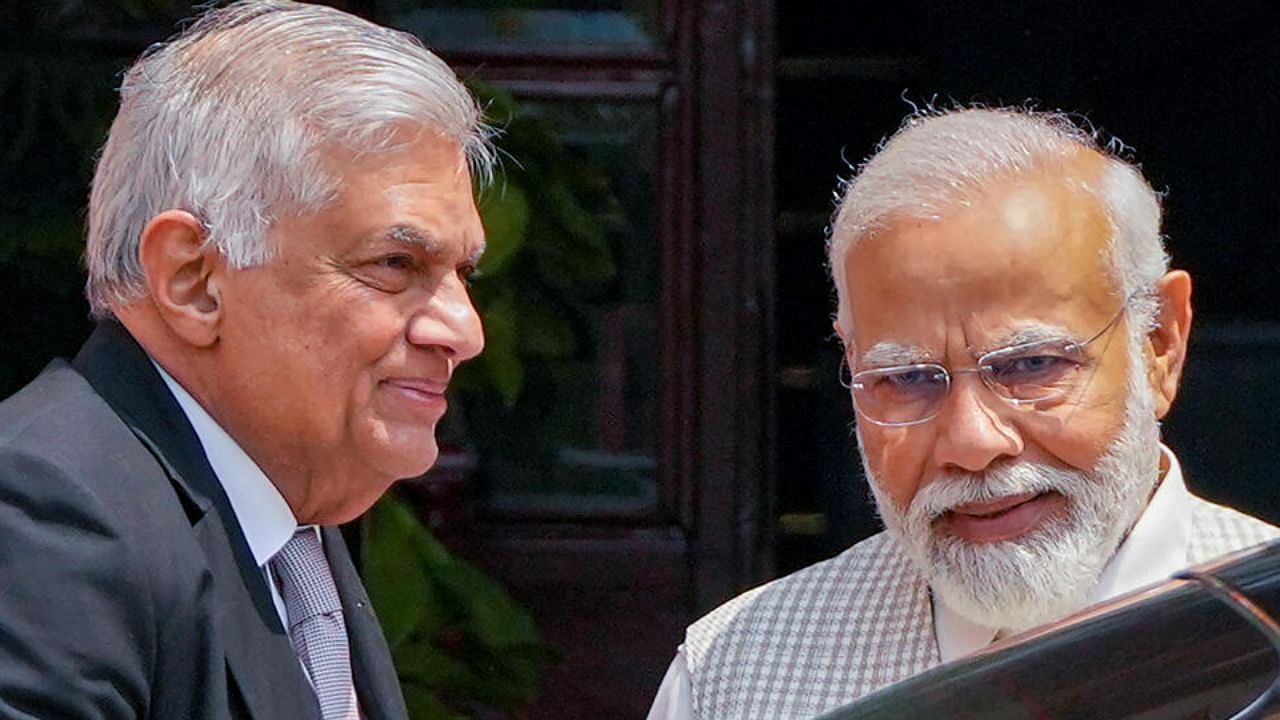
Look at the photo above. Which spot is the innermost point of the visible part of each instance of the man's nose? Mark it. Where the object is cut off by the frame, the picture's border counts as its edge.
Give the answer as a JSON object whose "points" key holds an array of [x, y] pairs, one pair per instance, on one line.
{"points": [[973, 427], [449, 321]]}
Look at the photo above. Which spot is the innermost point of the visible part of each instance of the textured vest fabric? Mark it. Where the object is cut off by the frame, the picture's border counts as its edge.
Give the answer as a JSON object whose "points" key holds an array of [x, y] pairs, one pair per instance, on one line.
{"points": [[835, 631], [1217, 530], [813, 640]]}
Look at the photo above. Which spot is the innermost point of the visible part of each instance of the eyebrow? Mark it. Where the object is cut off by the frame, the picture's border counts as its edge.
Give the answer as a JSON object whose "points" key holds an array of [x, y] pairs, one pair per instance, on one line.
{"points": [[413, 236], [1029, 332], [885, 354], [432, 246]]}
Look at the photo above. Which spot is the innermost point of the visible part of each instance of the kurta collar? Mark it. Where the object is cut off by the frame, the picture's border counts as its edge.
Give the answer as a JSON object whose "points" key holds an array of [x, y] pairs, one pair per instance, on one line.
{"points": [[1155, 549]]}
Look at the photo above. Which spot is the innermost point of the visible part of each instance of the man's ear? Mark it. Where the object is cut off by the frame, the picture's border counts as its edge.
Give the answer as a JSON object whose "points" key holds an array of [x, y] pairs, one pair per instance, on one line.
{"points": [[181, 276], [844, 338], [1167, 343]]}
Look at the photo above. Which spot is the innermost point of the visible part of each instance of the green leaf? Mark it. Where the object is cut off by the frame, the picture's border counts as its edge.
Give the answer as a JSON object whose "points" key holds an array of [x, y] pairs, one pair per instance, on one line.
{"points": [[421, 662], [423, 705], [546, 330], [500, 359], [472, 641], [571, 245], [393, 573], [505, 211], [493, 618], [499, 104]]}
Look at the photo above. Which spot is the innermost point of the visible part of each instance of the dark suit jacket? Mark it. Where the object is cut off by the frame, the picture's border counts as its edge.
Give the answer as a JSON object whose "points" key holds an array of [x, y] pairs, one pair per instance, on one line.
{"points": [[127, 589]]}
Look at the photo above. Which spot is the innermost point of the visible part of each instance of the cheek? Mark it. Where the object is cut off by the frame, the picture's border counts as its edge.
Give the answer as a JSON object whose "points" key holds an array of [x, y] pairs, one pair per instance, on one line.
{"points": [[355, 333], [897, 457], [1075, 440], [331, 360], [1078, 438], [369, 344], [1079, 443]]}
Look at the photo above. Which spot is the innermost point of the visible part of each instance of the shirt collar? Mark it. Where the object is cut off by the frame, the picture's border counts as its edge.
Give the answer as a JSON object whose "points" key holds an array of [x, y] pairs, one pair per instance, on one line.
{"points": [[260, 509], [1155, 549]]}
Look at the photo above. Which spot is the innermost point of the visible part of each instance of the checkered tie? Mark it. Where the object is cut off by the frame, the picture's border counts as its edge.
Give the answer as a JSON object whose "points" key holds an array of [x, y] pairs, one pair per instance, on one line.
{"points": [[315, 623]]}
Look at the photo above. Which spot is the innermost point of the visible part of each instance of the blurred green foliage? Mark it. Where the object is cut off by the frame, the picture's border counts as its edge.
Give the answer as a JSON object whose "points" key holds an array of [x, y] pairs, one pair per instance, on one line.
{"points": [[547, 221], [461, 645]]}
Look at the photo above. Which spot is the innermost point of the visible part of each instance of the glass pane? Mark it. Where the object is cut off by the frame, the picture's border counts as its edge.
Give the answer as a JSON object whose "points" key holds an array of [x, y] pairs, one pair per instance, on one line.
{"points": [[560, 413], [531, 25]]}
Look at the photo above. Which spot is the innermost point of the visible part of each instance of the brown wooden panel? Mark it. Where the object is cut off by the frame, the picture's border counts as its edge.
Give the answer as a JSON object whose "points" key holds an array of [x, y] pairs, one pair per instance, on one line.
{"points": [[614, 593], [733, 530], [612, 603]]}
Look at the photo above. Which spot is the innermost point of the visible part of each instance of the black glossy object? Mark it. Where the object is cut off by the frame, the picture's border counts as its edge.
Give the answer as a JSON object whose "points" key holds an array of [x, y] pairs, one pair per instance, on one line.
{"points": [[1177, 651]]}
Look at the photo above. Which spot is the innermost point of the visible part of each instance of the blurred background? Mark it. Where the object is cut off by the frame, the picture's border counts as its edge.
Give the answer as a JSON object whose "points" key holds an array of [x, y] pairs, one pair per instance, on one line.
{"points": [[656, 423]]}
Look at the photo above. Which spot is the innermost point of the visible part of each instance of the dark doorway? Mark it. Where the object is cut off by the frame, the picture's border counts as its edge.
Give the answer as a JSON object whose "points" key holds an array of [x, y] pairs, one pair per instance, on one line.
{"points": [[1189, 87]]}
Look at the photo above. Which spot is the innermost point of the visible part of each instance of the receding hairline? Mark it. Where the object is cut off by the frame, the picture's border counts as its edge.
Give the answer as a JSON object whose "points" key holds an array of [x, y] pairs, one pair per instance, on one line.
{"points": [[227, 119], [1083, 167]]}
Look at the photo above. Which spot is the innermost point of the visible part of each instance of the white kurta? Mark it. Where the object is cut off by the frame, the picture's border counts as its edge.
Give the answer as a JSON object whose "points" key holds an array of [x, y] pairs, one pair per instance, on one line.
{"points": [[1155, 549]]}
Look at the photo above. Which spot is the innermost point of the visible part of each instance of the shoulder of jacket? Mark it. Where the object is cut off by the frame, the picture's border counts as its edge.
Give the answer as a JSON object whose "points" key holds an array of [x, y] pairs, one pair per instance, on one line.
{"points": [[1217, 530], [856, 570]]}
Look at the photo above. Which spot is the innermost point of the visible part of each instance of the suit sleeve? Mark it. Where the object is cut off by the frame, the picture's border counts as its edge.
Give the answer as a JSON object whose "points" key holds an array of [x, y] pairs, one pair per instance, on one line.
{"points": [[77, 638]]}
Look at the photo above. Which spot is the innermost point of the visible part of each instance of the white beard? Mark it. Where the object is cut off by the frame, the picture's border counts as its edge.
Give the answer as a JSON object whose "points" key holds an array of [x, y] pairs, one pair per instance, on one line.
{"points": [[1047, 573]]}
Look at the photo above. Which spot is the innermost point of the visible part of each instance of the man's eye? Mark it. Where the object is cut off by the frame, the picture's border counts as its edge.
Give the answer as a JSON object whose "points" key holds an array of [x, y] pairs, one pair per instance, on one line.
{"points": [[467, 273], [910, 378], [388, 273], [908, 381], [396, 262], [1029, 367]]}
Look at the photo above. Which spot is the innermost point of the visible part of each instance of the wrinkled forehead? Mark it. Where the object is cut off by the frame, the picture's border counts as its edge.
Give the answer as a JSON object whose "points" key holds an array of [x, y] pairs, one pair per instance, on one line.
{"points": [[1013, 335], [1023, 254]]}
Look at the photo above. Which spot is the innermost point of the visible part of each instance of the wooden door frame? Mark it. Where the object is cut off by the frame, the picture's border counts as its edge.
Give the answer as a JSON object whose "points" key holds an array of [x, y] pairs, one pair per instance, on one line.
{"points": [[616, 592]]}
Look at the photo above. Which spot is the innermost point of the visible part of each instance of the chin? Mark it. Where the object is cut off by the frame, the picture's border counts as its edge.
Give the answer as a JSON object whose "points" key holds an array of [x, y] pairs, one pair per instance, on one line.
{"points": [[397, 451], [411, 462]]}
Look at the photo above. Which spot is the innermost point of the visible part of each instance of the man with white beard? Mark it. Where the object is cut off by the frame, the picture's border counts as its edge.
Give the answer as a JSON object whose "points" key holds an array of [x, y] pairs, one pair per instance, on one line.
{"points": [[1014, 336]]}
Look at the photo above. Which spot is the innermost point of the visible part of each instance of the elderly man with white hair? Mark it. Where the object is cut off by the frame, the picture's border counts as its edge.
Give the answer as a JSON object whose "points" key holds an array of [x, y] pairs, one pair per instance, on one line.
{"points": [[1013, 335], [280, 229]]}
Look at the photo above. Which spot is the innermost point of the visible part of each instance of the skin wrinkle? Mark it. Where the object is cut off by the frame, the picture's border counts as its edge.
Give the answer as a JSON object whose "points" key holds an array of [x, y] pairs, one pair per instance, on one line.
{"points": [[243, 168], [1022, 582], [416, 238], [964, 228], [1041, 275], [888, 354], [336, 434]]}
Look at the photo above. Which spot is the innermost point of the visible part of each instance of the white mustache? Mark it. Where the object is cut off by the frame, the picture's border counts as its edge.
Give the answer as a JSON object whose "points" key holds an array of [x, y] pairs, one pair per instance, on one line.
{"points": [[953, 488]]}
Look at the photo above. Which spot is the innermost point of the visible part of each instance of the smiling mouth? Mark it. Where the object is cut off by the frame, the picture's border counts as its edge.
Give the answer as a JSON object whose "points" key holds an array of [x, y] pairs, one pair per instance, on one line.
{"points": [[423, 394], [1003, 518]]}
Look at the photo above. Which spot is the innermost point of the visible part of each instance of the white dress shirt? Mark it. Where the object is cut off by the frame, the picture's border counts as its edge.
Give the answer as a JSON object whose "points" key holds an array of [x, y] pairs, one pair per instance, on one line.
{"points": [[1154, 550], [264, 516]]}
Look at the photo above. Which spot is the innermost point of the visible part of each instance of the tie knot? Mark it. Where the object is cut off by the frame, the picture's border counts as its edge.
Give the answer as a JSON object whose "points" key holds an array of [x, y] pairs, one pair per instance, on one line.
{"points": [[306, 584]]}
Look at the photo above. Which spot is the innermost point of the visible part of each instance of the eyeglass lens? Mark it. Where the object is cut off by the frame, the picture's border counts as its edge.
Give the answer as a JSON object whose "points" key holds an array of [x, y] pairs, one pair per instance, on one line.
{"points": [[1023, 374]]}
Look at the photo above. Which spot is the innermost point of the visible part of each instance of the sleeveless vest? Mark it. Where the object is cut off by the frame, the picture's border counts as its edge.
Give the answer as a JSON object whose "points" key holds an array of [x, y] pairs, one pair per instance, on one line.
{"points": [[835, 631]]}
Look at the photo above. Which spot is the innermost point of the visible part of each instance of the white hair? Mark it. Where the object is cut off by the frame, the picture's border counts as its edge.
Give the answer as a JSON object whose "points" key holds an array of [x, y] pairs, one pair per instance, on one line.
{"points": [[1049, 572], [939, 161], [232, 119]]}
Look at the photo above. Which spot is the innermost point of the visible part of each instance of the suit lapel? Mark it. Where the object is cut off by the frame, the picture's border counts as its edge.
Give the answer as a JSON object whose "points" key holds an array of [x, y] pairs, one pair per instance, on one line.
{"points": [[260, 657], [371, 666]]}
